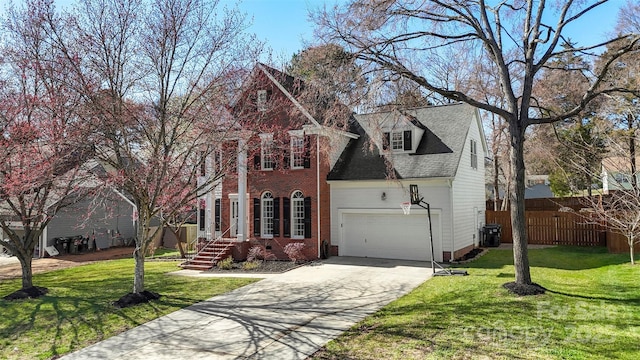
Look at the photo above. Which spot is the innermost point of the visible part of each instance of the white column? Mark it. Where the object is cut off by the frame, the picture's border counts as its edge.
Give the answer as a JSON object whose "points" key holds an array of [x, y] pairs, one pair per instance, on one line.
{"points": [[242, 190]]}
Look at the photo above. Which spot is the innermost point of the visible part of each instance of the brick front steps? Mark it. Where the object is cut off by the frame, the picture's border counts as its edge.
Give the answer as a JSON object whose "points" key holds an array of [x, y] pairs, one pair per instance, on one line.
{"points": [[209, 256]]}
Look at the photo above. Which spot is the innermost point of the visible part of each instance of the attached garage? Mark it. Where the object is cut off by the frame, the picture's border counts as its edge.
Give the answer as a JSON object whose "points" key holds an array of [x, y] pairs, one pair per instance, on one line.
{"points": [[389, 235]]}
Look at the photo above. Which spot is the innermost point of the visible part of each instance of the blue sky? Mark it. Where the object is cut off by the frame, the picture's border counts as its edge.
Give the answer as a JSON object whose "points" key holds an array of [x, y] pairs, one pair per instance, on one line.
{"points": [[285, 24]]}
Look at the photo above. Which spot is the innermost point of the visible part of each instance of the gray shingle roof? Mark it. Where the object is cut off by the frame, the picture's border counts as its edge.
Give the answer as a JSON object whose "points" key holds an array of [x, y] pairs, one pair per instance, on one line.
{"points": [[437, 154]]}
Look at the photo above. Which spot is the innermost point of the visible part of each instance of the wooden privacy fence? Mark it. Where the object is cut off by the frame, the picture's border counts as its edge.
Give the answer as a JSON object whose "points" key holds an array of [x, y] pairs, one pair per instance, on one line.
{"points": [[552, 228]]}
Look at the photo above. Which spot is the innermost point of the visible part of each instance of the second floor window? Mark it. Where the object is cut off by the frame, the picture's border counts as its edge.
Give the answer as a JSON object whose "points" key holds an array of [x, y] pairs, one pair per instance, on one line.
{"points": [[266, 153], [297, 152], [474, 154]]}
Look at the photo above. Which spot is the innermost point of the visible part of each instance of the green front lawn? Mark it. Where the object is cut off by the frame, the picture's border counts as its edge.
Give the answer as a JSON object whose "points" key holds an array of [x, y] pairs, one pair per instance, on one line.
{"points": [[591, 311], [77, 311]]}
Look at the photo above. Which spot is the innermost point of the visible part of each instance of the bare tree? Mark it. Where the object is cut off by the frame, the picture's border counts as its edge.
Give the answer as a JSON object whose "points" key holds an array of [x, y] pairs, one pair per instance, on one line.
{"points": [[519, 39], [159, 76], [43, 143]]}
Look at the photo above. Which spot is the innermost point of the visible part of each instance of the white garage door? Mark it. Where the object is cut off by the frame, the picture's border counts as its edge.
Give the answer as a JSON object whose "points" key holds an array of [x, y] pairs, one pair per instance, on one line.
{"points": [[390, 236]]}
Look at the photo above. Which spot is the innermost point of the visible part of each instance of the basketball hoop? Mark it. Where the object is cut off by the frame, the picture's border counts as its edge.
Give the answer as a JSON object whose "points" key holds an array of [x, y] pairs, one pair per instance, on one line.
{"points": [[406, 207]]}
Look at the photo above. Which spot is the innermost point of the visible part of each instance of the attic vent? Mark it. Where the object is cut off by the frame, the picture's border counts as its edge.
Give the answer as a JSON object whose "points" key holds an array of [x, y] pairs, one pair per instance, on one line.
{"points": [[262, 100]]}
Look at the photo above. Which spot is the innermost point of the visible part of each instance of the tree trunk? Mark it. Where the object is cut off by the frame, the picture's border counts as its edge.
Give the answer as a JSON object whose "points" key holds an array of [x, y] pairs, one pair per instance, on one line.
{"points": [[632, 152], [496, 184], [27, 272], [632, 241], [178, 234], [140, 251], [138, 277], [516, 199]]}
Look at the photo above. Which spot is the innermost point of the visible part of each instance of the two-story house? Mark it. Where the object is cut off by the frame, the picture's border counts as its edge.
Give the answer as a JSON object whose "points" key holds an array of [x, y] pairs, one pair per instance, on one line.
{"points": [[295, 179]]}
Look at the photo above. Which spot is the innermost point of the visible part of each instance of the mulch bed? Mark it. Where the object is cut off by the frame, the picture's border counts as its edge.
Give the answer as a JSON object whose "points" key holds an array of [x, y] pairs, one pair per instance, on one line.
{"points": [[470, 256], [33, 292], [271, 266], [132, 299], [524, 289]]}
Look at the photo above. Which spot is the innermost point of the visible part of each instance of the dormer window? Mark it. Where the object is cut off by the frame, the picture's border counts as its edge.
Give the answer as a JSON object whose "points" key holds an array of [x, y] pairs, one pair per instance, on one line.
{"points": [[262, 100], [398, 140]]}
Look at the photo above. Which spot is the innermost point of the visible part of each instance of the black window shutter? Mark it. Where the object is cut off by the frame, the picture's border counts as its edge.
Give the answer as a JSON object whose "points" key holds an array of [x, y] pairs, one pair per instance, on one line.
{"points": [[256, 162], [386, 141], [276, 216], [285, 159], [256, 217], [307, 152], [202, 219], [307, 217], [286, 217], [203, 164], [407, 140], [217, 216]]}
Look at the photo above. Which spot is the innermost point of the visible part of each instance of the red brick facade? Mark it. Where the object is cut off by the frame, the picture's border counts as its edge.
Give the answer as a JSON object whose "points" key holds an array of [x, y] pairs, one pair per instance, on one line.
{"points": [[281, 117], [282, 184]]}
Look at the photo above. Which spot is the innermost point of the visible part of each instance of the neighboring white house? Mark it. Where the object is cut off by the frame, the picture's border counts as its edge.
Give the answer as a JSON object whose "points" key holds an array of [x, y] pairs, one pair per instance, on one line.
{"points": [[439, 148], [616, 173]]}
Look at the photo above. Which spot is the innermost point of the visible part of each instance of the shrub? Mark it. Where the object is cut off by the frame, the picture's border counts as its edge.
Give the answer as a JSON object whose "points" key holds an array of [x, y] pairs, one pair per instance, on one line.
{"points": [[294, 251], [259, 252], [250, 265], [226, 264]]}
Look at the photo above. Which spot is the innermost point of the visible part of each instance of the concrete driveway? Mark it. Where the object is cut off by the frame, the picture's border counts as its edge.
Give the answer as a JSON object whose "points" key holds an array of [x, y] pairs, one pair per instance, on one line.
{"points": [[287, 316]]}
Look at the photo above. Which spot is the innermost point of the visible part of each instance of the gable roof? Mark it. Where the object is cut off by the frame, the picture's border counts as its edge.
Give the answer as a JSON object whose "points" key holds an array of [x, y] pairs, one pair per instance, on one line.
{"points": [[289, 86], [437, 155]]}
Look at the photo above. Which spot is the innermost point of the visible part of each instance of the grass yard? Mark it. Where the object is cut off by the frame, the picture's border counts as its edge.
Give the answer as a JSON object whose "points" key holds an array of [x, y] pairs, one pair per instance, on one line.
{"points": [[77, 311], [591, 311]]}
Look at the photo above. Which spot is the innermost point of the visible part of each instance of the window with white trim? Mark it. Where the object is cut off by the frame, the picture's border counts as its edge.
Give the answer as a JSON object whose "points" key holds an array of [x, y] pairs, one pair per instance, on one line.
{"points": [[266, 153], [262, 100], [474, 154], [297, 152], [398, 140], [267, 214], [297, 215]]}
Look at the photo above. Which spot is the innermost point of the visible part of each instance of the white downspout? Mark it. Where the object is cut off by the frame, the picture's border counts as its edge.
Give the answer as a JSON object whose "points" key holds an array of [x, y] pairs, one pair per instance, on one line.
{"points": [[453, 235], [318, 188], [242, 190], [43, 241]]}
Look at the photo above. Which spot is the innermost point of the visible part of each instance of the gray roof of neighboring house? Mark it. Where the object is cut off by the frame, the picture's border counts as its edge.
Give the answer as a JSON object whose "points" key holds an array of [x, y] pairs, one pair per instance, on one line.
{"points": [[437, 155], [538, 191]]}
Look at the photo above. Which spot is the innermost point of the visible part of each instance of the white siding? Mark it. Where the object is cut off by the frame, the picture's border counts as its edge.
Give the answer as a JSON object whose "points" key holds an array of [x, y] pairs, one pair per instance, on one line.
{"points": [[469, 192], [350, 195]]}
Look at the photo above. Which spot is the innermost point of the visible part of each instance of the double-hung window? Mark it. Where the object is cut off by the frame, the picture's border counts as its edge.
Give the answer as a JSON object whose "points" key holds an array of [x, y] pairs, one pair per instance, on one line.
{"points": [[267, 215], [474, 154], [297, 152], [266, 152], [398, 140]]}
